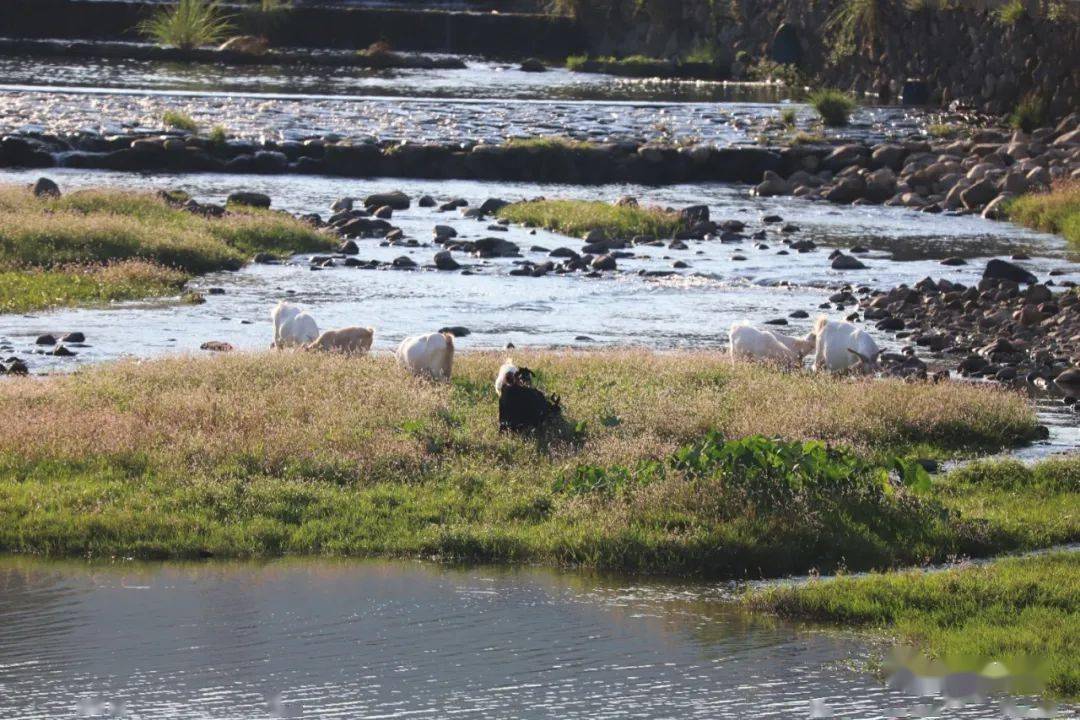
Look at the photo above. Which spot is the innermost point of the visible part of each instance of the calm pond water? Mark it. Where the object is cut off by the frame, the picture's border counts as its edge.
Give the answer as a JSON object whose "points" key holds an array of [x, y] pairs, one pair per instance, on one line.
{"points": [[339, 639]]}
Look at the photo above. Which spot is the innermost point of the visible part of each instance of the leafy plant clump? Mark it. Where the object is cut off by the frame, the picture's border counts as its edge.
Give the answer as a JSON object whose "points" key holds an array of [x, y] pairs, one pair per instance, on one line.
{"points": [[1030, 113], [1011, 12], [188, 24], [834, 107], [179, 120]]}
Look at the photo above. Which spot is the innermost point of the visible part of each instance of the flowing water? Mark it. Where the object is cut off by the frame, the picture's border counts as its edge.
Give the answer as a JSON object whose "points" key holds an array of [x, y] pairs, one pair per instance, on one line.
{"points": [[340, 639]]}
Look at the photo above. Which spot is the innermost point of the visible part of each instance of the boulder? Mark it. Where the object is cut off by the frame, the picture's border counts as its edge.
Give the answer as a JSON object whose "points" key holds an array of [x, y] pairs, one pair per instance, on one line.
{"points": [[250, 199], [404, 262], [492, 206], [604, 262], [880, 185], [533, 65], [847, 262], [495, 247], [445, 261], [395, 200], [978, 194], [772, 185], [1004, 270], [848, 190]]}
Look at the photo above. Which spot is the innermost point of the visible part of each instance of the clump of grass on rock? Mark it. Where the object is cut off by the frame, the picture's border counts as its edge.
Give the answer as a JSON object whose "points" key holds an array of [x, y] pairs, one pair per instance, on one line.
{"points": [[43, 237], [834, 107], [183, 456], [577, 217], [179, 120]]}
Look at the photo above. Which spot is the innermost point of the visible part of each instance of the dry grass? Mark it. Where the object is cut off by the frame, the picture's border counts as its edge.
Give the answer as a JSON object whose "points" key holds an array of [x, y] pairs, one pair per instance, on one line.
{"points": [[254, 454], [197, 412]]}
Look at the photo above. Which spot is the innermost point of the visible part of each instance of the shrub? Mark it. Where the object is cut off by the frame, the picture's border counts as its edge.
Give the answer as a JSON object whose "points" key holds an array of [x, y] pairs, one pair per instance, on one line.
{"points": [[708, 53], [1029, 114], [188, 24], [833, 106], [179, 120], [855, 25], [787, 116], [1011, 12], [218, 135]]}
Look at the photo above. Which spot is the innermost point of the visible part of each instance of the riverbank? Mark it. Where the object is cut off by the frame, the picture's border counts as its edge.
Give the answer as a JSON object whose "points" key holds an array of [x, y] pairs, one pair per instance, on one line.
{"points": [[1023, 613], [267, 454], [101, 245]]}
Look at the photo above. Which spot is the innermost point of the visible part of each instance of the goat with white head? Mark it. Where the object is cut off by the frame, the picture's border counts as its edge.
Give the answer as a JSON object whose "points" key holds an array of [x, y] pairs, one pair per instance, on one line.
{"points": [[511, 374], [748, 342], [430, 355], [842, 346], [293, 327]]}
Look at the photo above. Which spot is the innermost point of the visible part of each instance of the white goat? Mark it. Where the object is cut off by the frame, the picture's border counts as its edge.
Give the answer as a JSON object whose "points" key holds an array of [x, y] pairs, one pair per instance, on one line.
{"points": [[843, 346], [348, 340], [430, 355], [282, 313], [749, 342]]}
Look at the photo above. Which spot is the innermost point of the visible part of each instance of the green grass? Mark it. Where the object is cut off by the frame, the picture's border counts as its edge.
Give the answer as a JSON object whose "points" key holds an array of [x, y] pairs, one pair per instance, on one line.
{"points": [[788, 116], [577, 217], [1014, 611], [1011, 12], [218, 135], [188, 24], [1056, 211], [855, 25], [832, 106], [28, 291], [1030, 113], [183, 456], [179, 120], [42, 239], [943, 130]]}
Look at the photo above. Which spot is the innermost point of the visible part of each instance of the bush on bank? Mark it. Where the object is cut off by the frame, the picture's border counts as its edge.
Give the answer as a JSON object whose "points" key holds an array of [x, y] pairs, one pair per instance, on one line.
{"points": [[1056, 211], [266, 454]]}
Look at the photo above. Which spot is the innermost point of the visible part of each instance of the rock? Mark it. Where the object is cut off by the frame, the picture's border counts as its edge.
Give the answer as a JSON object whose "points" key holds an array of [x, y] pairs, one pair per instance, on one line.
{"points": [[694, 214], [61, 351], [847, 190], [395, 200], [1068, 380], [384, 213], [772, 185], [492, 206], [799, 315], [533, 65], [216, 346], [495, 247], [604, 262], [847, 262], [17, 367], [1003, 270], [426, 202], [73, 337], [250, 199], [978, 194], [767, 219], [995, 210], [46, 340], [915, 91], [888, 156], [785, 48], [349, 247], [246, 44], [777, 321], [445, 261], [954, 261], [880, 185], [342, 204], [563, 252], [845, 156], [44, 187], [404, 262], [444, 231], [627, 201]]}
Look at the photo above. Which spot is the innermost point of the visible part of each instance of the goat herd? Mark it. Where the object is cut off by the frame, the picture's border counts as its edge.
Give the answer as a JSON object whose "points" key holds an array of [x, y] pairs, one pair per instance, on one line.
{"points": [[838, 346]]}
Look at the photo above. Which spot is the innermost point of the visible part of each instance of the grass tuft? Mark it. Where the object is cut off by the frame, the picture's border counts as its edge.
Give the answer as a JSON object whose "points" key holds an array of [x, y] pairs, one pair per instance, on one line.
{"points": [[834, 107], [180, 121], [1030, 113], [577, 217], [188, 24]]}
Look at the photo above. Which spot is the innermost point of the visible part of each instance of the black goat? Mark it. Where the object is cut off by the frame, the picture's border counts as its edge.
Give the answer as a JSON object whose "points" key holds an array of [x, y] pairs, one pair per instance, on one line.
{"points": [[523, 408]]}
